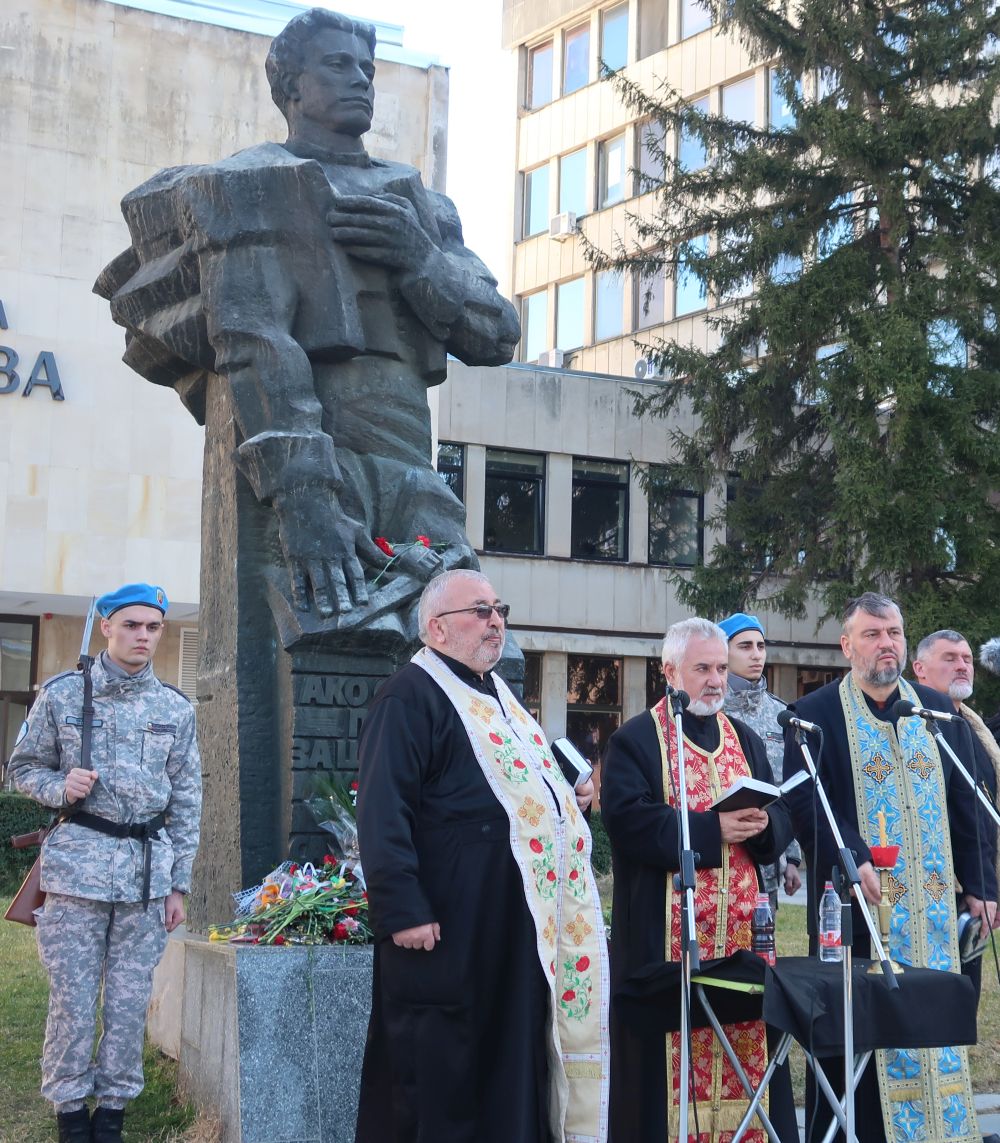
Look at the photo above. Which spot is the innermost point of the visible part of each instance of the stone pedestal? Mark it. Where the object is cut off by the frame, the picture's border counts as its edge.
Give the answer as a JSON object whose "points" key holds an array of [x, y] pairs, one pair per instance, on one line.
{"points": [[272, 1039]]}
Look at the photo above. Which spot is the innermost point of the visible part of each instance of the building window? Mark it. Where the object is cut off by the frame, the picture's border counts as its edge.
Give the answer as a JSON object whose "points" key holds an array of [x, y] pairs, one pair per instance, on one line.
{"points": [[786, 268], [695, 18], [650, 304], [609, 304], [540, 75], [593, 703], [614, 37], [779, 112], [536, 201], [576, 58], [515, 490], [656, 684], [691, 152], [690, 292], [534, 325], [599, 520], [739, 101], [451, 466], [532, 699], [611, 163], [743, 287], [650, 153], [573, 182], [676, 523], [569, 314], [18, 664]]}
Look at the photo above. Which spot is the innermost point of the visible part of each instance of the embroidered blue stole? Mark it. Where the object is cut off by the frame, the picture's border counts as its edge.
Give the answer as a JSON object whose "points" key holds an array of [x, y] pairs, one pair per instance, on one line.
{"points": [[926, 1094]]}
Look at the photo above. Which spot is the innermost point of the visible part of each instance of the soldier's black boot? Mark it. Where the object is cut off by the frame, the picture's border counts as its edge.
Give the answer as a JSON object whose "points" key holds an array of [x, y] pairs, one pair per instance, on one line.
{"points": [[106, 1126], [74, 1126]]}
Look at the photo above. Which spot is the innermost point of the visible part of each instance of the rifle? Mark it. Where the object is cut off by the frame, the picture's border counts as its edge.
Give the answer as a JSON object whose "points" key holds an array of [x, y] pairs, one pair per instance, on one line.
{"points": [[31, 896]]}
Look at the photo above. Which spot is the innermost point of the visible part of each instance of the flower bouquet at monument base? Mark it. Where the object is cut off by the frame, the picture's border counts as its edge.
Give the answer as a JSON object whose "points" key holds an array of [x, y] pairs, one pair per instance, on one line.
{"points": [[310, 904], [301, 905]]}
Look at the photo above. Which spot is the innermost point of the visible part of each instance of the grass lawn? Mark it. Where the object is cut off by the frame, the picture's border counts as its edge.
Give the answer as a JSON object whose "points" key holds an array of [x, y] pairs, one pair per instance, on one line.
{"points": [[24, 1116]]}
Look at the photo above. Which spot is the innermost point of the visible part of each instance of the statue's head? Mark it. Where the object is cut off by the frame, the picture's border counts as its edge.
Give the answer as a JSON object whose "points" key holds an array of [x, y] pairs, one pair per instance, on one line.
{"points": [[320, 68]]}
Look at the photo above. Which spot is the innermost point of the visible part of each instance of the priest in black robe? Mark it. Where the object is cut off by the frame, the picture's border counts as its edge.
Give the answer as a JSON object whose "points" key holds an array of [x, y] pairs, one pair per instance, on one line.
{"points": [[644, 832], [460, 1044], [874, 644]]}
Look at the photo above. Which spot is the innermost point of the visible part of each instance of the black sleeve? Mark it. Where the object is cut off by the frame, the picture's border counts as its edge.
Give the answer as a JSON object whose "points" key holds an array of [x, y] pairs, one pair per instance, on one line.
{"points": [[768, 846], [393, 748], [639, 823]]}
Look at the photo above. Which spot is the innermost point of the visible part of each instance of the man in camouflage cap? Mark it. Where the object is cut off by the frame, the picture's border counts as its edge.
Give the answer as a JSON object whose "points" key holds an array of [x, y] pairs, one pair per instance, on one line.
{"points": [[117, 865]]}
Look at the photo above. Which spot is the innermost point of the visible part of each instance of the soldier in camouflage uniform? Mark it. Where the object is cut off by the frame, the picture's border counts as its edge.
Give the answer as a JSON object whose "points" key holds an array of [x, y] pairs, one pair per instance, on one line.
{"points": [[748, 699], [116, 869]]}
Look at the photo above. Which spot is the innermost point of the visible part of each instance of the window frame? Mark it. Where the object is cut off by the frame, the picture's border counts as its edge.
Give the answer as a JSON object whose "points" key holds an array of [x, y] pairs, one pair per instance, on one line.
{"points": [[539, 479], [529, 93], [459, 468], [604, 201], [624, 487], [578, 31], [679, 493], [528, 200]]}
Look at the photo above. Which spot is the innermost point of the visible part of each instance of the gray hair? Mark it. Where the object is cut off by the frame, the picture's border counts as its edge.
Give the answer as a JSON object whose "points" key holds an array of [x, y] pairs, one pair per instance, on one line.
{"points": [[871, 603], [928, 641], [430, 600], [675, 642], [285, 57], [989, 656]]}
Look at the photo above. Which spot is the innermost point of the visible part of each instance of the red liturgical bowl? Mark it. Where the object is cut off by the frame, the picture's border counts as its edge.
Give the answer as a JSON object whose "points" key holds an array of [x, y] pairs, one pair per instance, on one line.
{"points": [[884, 856]]}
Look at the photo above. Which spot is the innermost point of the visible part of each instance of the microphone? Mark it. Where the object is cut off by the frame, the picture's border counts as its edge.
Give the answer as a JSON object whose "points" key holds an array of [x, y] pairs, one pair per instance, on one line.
{"points": [[680, 699], [786, 718], [906, 709]]}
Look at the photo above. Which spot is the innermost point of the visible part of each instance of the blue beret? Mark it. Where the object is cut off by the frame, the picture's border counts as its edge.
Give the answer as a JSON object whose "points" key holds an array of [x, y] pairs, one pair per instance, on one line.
{"points": [[145, 594], [734, 624]]}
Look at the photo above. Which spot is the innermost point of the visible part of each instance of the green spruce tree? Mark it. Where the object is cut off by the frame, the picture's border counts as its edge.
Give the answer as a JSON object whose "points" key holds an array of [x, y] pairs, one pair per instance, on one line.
{"points": [[852, 405]]}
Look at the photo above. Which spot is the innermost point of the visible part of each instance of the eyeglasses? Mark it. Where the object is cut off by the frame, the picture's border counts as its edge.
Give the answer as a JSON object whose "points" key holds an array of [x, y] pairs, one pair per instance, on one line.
{"points": [[482, 611]]}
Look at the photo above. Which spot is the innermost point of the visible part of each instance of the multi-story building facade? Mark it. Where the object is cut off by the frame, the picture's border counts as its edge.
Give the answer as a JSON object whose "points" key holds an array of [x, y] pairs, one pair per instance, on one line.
{"points": [[549, 459]]}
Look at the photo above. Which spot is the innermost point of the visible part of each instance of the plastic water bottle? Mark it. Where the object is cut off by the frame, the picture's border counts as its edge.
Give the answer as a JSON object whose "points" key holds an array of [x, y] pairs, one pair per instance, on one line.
{"points": [[762, 929], [830, 948]]}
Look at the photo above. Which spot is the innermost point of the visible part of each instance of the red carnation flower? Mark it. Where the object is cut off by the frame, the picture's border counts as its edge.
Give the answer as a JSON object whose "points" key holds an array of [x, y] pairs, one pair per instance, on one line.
{"points": [[328, 860], [569, 995], [354, 785], [425, 540], [547, 764], [519, 765], [496, 739], [351, 911], [583, 964], [573, 875], [293, 868], [279, 939], [579, 845], [383, 545], [340, 931], [550, 876], [536, 845]]}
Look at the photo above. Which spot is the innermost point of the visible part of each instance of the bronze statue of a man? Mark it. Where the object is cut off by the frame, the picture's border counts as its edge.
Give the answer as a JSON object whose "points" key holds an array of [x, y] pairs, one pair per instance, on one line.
{"points": [[326, 288]]}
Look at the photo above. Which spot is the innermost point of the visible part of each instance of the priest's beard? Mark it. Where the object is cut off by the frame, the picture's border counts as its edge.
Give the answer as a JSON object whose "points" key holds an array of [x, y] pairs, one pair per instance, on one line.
{"points": [[703, 707], [959, 692]]}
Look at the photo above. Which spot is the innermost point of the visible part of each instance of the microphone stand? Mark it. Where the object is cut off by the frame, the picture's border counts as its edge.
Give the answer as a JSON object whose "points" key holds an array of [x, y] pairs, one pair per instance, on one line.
{"points": [[685, 882], [933, 727], [851, 877]]}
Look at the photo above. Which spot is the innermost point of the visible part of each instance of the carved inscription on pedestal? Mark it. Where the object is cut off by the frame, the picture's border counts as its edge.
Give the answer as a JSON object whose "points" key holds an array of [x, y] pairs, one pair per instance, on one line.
{"points": [[330, 695]]}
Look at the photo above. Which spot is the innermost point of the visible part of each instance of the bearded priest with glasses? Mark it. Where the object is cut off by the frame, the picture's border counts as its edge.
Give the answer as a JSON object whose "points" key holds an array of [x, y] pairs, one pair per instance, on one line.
{"points": [[490, 993]]}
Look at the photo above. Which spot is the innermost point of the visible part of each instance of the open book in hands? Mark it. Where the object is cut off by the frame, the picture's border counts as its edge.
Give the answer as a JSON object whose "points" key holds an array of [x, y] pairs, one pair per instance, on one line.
{"points": [[752, 793]]}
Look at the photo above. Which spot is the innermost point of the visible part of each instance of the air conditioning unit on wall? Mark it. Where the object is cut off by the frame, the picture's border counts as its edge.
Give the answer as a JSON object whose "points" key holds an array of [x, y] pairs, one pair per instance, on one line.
{"points": [[563, 226], [552, 358], [646, 369]]}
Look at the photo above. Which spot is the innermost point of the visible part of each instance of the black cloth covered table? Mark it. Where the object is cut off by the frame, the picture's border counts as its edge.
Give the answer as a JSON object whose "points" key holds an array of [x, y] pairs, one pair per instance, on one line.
{"points": [[803, 997], [930, 1009]]}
